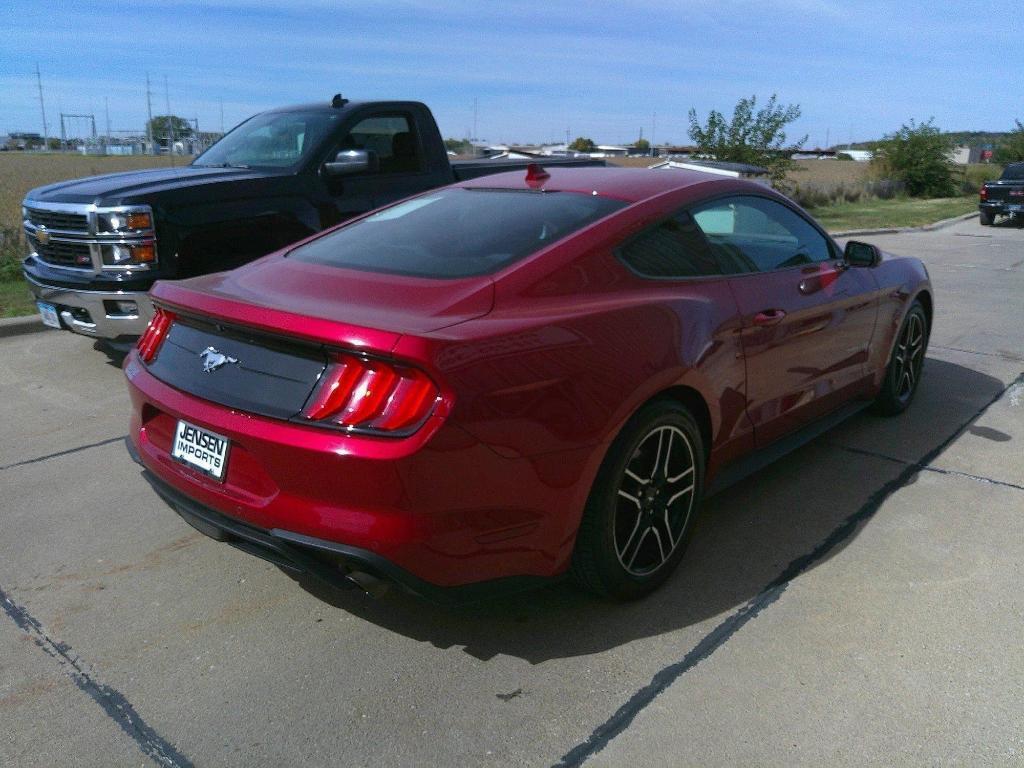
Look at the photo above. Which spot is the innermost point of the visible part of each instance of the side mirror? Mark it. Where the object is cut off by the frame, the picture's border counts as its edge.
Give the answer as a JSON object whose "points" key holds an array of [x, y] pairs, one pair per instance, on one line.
{"points": [[860, 254], [350, 161]]}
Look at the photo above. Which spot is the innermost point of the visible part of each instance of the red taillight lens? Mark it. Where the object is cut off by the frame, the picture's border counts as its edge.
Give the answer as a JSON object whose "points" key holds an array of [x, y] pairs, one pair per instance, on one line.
{"points": [[983, 193], [153, 336], [372, 395]]}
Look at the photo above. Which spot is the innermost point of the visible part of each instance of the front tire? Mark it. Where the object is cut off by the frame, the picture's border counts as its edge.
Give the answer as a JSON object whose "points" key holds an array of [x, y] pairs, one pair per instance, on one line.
{"points": [[985, 218], [904, 371], [638, 517]]}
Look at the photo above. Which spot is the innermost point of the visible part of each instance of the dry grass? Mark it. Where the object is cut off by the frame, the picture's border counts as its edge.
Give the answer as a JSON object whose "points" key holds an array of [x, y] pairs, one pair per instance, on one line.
{"points": [[21, 171]]}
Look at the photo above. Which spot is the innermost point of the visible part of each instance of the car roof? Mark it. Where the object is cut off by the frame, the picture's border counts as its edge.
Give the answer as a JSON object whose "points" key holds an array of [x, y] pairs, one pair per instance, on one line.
{"points": [[628, 184]]}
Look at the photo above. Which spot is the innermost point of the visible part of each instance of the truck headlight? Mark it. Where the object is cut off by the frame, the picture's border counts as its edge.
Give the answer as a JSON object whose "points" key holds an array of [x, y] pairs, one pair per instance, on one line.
{"points": [[128, 255], [124, 221]]}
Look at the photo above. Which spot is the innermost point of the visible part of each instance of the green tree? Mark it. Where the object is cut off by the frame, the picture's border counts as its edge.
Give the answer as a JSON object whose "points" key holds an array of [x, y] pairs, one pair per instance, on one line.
{"points": [[459, 146], [919, 156], [1011, 148], [162, 126], [754, 137], [643, 145], [583, 144]]}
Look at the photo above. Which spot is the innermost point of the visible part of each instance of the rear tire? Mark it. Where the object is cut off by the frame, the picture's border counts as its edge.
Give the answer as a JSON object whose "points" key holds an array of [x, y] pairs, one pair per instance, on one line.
{"points": [[640, 512], [904, 371], [985, 218]]}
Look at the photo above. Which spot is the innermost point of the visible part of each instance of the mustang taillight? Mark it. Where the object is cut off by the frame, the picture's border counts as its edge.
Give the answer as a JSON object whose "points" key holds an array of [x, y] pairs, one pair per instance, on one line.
{"points": [[372, 396], [153, 336]]}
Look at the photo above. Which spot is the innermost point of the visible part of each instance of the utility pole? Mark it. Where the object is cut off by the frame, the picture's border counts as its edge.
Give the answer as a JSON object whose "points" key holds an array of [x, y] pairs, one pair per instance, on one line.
{"points": [[170, 122], [827, 131], [106, 110], [149, 114], [222, 117], [654, 123], [46, 134], [475, 136]]}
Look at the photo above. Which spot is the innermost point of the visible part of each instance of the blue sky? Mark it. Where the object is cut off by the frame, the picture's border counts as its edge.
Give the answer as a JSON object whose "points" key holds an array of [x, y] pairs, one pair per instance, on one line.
{"points": [[601, 69]]}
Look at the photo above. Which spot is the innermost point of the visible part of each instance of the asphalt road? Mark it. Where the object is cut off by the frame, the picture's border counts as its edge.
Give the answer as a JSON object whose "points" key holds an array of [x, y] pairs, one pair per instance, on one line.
{"points": [[859, 602]]}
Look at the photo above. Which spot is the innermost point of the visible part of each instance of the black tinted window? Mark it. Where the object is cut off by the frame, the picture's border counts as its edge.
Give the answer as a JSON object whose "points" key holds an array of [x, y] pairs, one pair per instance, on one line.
{"points": [[391, 137], [754, 234], [1014, 172], [457, 232], [674, 248]]}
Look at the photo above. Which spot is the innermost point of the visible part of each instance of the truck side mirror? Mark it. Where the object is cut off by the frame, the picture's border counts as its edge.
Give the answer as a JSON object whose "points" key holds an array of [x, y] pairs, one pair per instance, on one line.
{"points": [[858, 254], [350, 161]]}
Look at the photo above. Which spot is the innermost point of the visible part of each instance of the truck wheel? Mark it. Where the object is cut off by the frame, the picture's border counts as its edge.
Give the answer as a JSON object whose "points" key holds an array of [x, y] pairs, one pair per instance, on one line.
{"points": [[986, 218], [640, 512], [904, 371]]}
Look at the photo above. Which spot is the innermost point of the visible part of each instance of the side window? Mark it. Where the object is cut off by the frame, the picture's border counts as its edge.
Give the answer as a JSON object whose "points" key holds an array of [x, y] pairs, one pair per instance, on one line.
{"points": [[754, 234], [391, 137], [674, 248]]}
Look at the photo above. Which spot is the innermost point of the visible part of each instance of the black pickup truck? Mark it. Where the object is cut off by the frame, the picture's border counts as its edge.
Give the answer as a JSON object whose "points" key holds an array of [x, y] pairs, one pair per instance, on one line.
{"points": [[1004, 196], [96, 245]]}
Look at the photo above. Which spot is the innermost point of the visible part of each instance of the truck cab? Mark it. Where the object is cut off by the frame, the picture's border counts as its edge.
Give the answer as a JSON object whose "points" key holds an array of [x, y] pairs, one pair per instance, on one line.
{"points": [[97, 245]]}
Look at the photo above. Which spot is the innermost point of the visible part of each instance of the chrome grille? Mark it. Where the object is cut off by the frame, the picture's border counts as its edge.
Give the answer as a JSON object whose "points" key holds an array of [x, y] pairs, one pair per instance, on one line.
{"points": [[68, 222], [65, 254]]}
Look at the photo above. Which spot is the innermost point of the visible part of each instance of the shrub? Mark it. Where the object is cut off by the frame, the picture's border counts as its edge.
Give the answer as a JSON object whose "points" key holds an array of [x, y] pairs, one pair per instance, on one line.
{"points": [[919, 156]]}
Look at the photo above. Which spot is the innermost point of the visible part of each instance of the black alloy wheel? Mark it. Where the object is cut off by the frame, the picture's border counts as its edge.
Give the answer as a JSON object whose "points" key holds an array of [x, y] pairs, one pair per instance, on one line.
{"points": [[904, 372], [636, 524]]}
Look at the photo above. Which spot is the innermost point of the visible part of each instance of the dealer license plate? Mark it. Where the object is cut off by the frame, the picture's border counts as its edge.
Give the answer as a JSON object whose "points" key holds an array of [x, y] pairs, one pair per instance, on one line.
{"points": [[49, 314], [200, 448]]}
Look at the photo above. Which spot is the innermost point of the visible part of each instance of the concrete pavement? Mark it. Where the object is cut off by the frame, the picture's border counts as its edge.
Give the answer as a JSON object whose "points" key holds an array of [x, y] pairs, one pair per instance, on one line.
{"points": [[857, 602]]}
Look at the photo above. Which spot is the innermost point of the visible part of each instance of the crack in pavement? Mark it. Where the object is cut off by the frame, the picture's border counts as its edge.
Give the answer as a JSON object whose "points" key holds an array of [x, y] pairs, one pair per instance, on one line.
{"points": [[624, 716], [49, 456], [112, 701], [1009, 356], [929, 468]]}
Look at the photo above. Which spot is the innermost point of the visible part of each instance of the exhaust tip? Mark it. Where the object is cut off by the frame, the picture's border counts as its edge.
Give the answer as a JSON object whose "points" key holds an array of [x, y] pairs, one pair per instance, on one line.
{"points": [[368, 583]]}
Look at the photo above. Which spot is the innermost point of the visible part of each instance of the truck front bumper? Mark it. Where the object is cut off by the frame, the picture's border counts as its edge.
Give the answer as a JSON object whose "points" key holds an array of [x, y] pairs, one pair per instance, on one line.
{"points": [[100, 314]]}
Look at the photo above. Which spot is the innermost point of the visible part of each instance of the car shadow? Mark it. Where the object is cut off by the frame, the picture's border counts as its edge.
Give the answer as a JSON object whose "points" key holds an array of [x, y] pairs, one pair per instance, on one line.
{"points": [[743, 540], [115, 353]]}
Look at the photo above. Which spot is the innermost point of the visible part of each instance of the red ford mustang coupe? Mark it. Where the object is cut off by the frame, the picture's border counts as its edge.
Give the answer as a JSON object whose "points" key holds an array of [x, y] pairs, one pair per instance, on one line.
{"points": [[514, 378]]}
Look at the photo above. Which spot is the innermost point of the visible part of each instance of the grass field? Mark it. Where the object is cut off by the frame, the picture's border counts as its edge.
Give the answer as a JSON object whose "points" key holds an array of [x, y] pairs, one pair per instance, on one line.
{"points": [[898, 212]]}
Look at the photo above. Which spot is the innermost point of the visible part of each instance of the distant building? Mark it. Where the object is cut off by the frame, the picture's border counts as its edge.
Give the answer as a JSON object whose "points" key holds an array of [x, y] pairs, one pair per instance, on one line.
{"points": [[610, 150], [964, 155], [860, 155]]}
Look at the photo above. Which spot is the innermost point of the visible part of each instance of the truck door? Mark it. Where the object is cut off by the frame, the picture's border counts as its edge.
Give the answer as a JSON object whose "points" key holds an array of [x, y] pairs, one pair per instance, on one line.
{"points": [[399, 169]]}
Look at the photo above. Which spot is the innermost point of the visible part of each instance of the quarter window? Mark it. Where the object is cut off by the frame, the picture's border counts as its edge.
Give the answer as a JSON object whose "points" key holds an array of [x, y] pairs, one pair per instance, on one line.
{"points": [[754, 234], [674, 248]]}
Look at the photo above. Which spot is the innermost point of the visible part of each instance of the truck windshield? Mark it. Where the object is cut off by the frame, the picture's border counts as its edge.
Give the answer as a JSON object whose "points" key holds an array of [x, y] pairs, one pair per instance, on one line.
{"points": [[269, 140], [457, 232]]}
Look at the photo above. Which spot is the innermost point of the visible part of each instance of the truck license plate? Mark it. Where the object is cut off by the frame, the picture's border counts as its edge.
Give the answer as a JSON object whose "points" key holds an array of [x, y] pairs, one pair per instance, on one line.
{"points": [[200, 448], [49, 314]]}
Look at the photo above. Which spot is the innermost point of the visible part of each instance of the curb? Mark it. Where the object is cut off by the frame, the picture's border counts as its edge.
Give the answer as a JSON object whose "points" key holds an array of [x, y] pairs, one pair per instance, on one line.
{"points": [[897, 230], [18, 326]]}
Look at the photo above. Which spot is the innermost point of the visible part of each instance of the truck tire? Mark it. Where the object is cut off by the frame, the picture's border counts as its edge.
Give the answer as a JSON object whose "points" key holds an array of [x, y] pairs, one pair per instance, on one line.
{"points": [[986, 218]]}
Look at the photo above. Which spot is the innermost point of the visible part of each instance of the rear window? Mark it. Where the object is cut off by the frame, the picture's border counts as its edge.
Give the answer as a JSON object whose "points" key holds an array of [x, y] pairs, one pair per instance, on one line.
{"points": [[1013, 172], [457, 232]]}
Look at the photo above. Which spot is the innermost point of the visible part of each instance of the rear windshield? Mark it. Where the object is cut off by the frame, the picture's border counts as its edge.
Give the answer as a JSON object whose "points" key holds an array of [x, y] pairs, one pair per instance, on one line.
{"points": [[1014, 172], [457, 232]]}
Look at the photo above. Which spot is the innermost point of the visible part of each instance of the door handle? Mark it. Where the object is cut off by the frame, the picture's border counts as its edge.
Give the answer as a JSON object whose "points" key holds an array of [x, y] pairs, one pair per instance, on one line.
{"points": [[769, 317]]}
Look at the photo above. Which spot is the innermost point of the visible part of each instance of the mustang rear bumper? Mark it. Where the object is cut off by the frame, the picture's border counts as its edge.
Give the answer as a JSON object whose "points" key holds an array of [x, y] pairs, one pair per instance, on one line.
{"points": [[437, 512], [338, 565]]}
